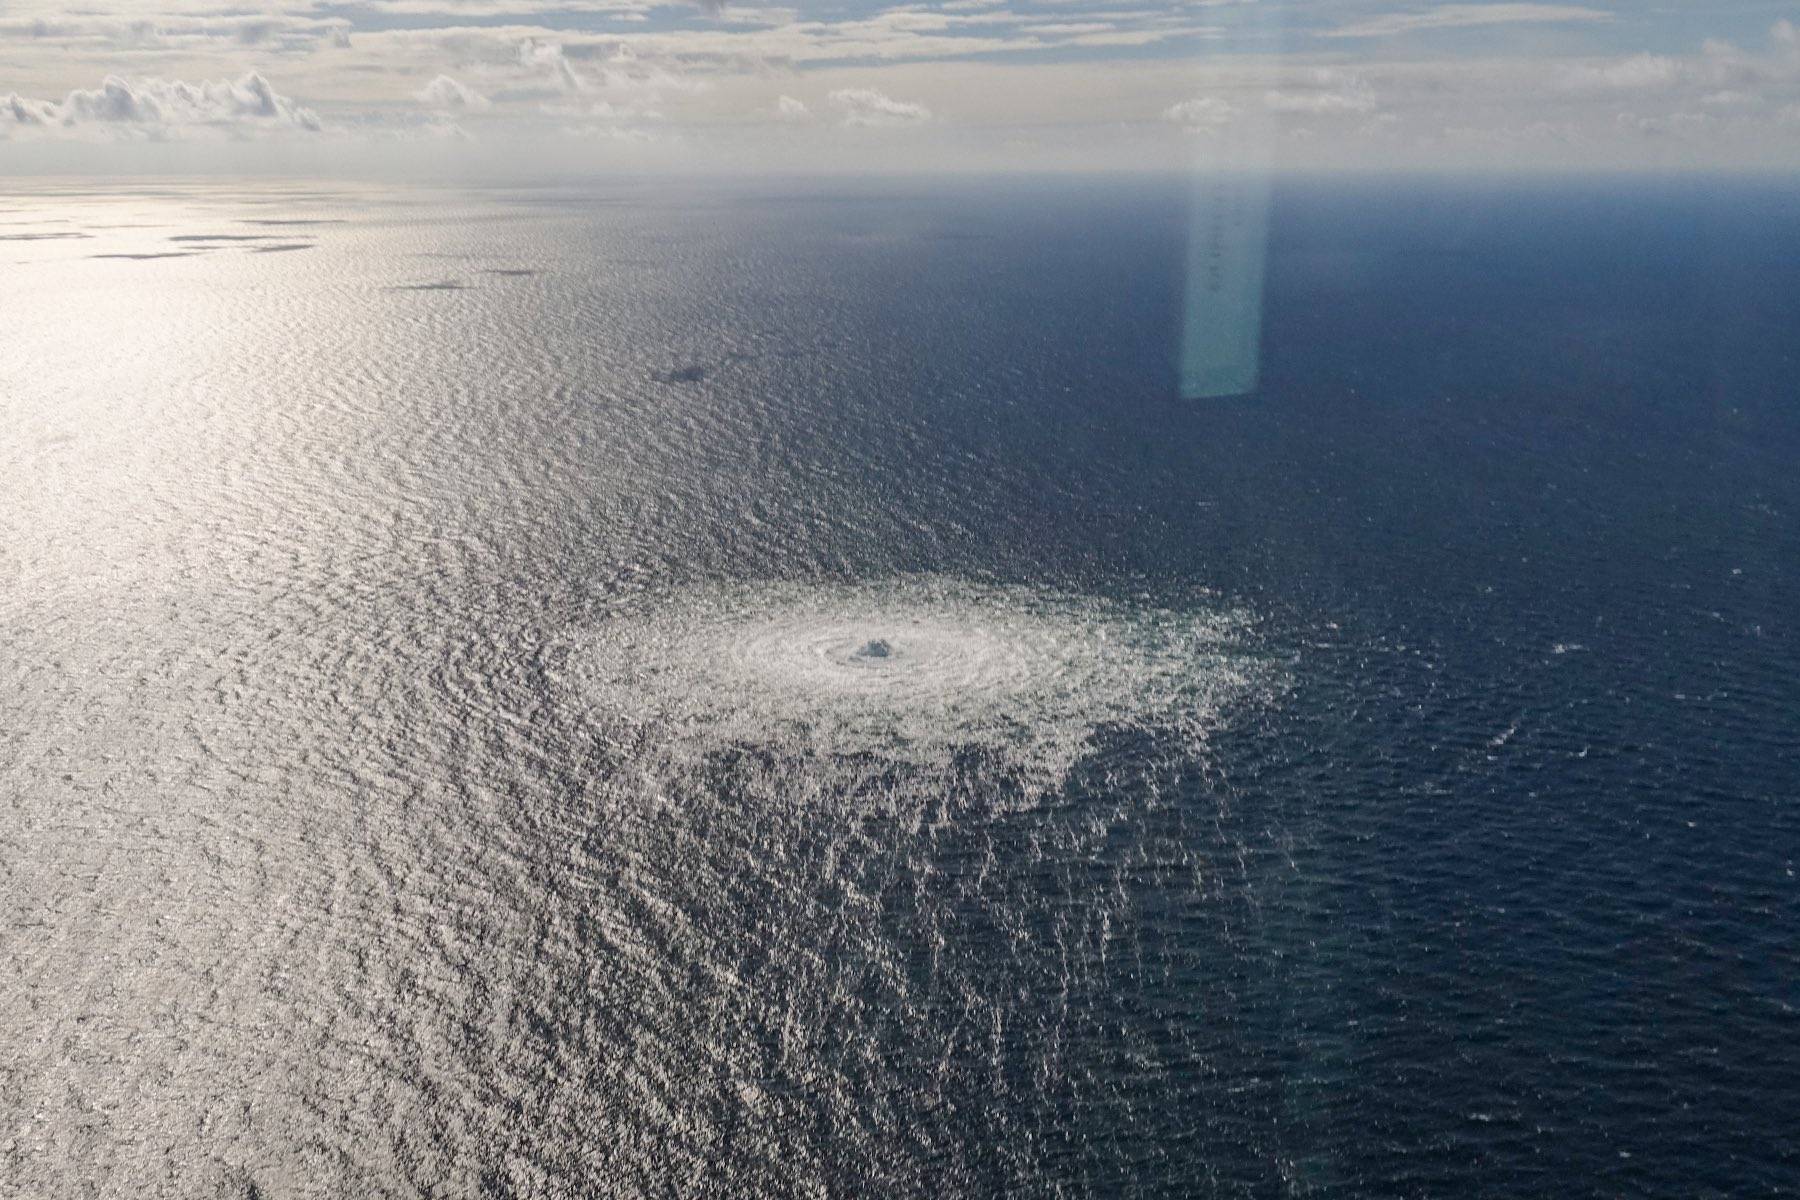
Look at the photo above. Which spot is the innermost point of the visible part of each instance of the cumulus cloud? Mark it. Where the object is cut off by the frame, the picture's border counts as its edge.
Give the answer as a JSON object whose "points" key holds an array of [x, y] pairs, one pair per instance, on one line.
{"points": [[162, 109], [1202, 114], [868, 107], [23, 112], [445, 92], [611, 71], [549, 57], [789, 109]]}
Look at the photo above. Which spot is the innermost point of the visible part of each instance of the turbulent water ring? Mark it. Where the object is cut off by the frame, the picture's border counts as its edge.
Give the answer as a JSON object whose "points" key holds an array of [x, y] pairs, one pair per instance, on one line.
{"points": [[913, 671]]}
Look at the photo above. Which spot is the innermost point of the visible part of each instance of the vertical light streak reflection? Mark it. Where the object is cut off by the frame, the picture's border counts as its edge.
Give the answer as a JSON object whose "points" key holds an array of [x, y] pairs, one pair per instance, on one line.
{"points": [[1228, 226]]}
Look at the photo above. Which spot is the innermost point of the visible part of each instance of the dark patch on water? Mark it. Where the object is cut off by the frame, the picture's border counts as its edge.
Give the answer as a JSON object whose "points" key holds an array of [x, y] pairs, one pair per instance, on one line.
{"points": [[692, 373], [281, 247]]}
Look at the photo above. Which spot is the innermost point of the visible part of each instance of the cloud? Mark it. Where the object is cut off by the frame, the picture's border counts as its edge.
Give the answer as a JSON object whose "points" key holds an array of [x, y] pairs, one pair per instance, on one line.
{"points": [[1326, 93], [1077, 86], [160, 109], [1201, 115], [548, 56], [1721, 75], [610, 69], [1636, 73], [445, 92], [225, 32], [613, 97], [869, 108], [1466, 16]]}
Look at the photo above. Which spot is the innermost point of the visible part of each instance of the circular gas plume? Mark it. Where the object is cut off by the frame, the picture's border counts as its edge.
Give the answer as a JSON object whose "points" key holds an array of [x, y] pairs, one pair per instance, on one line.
{"points": [[912, 672]]}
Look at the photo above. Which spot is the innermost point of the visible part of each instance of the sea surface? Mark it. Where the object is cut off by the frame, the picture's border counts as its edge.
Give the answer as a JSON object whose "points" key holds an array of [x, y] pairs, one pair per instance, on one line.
{"points": [[766, 690]]}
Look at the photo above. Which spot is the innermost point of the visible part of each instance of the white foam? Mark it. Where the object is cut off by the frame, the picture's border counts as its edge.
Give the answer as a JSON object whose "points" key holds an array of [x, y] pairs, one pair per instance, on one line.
{"points": [[912, 672]]}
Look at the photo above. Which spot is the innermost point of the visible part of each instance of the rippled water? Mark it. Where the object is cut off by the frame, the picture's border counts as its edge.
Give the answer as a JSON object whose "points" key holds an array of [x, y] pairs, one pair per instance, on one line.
{"points": [[762, 692]]}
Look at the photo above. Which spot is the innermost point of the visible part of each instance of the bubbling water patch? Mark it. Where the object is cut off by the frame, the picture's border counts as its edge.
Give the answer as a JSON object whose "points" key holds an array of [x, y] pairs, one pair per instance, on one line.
{"points": [[912, 673]]}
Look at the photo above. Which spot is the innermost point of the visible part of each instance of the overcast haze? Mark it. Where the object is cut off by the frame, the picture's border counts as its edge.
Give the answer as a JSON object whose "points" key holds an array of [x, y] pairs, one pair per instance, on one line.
{"points": [[971, 84]]}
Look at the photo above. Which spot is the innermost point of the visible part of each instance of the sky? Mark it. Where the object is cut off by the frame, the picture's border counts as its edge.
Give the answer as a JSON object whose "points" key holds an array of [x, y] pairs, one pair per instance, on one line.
{"points": [[554, 87]]}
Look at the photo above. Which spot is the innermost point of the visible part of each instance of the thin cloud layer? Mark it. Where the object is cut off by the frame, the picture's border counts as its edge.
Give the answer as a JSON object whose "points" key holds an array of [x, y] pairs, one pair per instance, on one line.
{"points": [[1468, 16]]}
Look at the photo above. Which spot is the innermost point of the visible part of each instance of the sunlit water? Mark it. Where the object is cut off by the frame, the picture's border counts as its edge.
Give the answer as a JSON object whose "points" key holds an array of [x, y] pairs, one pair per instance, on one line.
{"points": [[764, 692]]}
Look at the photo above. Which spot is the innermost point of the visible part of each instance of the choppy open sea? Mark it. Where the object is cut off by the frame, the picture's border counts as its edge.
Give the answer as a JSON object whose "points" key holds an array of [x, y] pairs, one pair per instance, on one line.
{"points": [[765, 690]]}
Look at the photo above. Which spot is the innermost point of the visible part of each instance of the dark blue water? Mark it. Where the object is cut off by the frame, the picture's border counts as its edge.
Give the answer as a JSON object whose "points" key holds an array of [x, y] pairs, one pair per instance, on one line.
{"points": [[330, 875], [1523, 483], [1531, 455]]}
